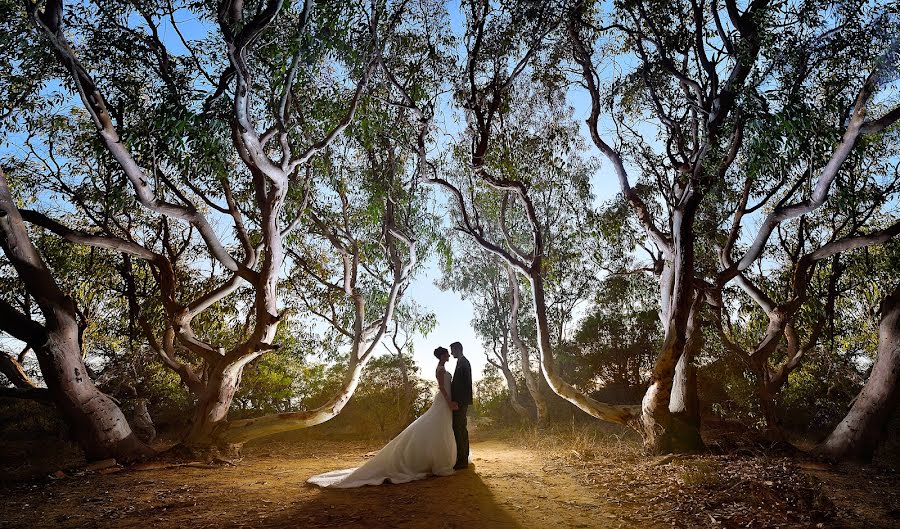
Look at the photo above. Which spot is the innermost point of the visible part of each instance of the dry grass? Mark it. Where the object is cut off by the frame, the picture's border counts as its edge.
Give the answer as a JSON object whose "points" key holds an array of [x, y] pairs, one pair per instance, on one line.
{"points": [[581, 441], [744, 486]]}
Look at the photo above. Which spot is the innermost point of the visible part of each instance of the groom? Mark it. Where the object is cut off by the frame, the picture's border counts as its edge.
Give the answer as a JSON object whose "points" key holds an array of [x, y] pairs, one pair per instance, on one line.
{"points": [[461, 393]]}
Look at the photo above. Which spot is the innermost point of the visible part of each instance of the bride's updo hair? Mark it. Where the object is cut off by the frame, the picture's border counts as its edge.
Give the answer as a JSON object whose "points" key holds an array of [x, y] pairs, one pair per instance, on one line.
{"points": [[440, 351]]}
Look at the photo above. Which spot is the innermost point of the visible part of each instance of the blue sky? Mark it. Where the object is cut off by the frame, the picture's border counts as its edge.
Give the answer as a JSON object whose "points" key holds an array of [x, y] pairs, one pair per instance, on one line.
{"points": [[453, 313]]}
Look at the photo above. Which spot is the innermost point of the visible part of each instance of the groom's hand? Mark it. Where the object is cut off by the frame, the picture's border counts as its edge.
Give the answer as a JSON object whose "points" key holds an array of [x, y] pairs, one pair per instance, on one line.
{"points": [[454, 406]]}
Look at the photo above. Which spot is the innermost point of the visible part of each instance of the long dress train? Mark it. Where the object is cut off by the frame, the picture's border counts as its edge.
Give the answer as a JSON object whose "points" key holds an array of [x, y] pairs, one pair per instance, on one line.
{"points": [[426, 447]]}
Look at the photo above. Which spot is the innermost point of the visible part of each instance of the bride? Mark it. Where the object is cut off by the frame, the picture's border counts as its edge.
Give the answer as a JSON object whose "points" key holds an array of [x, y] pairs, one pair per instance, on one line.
{"points": [[426, 447]]}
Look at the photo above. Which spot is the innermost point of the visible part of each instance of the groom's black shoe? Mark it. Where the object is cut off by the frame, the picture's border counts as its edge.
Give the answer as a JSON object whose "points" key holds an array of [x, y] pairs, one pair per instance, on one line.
{"points": [[461, 467]]}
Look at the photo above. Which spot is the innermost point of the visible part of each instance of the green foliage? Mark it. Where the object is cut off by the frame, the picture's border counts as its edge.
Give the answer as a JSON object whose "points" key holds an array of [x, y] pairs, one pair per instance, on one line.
{"points": [[615, 344], [491, 402]]}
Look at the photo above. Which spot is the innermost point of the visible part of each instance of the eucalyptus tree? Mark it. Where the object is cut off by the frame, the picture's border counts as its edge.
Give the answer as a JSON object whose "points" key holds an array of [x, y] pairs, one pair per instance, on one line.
{"points": [[826, 237], [517, 152], [482, 279], [860, 432], [699, 77], [246, 129], [97, 422], [37, 312]]}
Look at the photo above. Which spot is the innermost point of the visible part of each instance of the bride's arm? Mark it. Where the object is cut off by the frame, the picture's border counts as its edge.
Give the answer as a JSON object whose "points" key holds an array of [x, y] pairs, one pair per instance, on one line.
{"points": [[443, 389]]}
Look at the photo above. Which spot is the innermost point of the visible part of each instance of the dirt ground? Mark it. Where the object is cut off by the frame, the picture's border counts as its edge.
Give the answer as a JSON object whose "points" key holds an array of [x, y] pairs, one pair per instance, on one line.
{"points": [[509, 487]]}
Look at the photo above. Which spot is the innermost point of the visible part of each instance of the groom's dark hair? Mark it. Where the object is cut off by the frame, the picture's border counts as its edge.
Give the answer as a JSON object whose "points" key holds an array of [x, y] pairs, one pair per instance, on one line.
{"points": [[440, 351], [456, 346]]}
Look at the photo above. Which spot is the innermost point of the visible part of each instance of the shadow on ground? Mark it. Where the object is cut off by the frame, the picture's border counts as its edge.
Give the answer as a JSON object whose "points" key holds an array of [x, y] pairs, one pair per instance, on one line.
{"points": [[462, 500]]}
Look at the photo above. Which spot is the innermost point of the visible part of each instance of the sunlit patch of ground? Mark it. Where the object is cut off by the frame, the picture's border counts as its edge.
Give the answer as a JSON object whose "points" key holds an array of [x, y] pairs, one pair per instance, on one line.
{"points": [[512, 486]]}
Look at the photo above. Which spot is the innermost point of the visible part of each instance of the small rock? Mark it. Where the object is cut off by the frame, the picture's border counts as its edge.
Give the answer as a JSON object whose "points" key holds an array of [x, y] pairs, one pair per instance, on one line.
{"points": [[100, 465], [664, 460]]}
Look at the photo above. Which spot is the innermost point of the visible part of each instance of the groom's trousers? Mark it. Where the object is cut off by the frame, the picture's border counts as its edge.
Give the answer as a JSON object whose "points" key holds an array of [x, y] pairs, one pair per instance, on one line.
{"points": [[461, 433]]}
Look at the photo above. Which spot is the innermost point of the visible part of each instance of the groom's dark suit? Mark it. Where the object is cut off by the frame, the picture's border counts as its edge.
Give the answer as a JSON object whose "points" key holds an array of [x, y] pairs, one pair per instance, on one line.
{"points": [[461, 393]]}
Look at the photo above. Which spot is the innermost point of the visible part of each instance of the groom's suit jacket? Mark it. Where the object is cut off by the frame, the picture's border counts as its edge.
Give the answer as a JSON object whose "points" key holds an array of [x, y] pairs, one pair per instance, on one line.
{"points": [[461, 386]]}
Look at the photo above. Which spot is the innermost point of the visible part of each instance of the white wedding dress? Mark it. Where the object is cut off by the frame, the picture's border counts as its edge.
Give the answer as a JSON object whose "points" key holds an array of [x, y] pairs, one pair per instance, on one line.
{"points": [[426, 447]]}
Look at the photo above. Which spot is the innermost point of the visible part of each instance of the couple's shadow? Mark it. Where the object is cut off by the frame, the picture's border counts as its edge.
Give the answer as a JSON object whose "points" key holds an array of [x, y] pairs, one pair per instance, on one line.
{"points": [[462, 500]]}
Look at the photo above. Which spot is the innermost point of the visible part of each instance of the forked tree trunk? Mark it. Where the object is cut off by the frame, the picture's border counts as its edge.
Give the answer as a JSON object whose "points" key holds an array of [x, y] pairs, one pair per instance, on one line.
{"points": [[97, 422], [213, 403], [857, 436], [662, 430]]}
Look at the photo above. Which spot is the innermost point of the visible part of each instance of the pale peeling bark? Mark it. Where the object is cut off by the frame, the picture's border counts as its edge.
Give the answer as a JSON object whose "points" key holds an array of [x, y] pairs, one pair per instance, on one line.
{"points": [[211, 428], [513, 388], [532, 270], [684, 404], [857, 436], [215, 381], [500, 352], [241, 431], [532, 382], [663, 431], [856, 127], [485, 98], [770, 380], [511, 384]]}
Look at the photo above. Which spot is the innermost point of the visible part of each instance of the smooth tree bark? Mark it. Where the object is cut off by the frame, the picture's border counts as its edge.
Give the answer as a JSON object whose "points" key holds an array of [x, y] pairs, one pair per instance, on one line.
{"points": [[498, 356], [274, 165], [857, 436], [782, 316], [500, 360], [684, 404], [694, 133], [488, 83], [96, 421], [696, 95], [532, 380]]}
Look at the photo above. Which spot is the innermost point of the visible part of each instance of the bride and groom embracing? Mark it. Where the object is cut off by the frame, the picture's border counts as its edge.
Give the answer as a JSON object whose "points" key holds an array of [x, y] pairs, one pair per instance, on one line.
{"points": [[437, 443]]}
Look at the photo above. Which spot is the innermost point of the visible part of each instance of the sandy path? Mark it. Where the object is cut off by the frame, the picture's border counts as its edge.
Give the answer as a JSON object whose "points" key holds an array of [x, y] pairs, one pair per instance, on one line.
{"points": [[509, 488]]}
